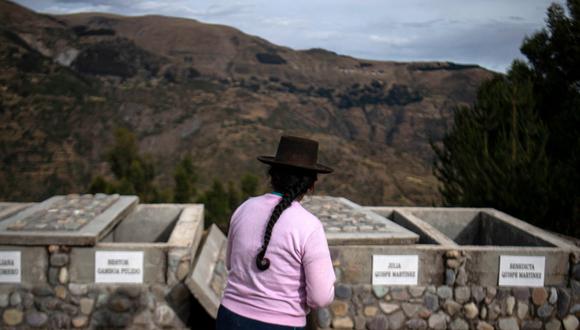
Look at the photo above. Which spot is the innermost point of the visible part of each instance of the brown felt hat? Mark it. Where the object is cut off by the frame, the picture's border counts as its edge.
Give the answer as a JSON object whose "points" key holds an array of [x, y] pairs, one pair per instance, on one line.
{"points": [[297, 152]]}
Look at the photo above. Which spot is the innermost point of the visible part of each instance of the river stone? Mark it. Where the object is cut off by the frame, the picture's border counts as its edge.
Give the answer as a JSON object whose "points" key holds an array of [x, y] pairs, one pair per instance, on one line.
{"points": [[483, 312], [482, 325], [53, 275], [380, 290], [493, 311], [80, 321], [388, 308], [27, 300], [4, 300], [119, 304], [451, 307], [411, 310], [510, 303], [449, 276], [508, 323], [342, 322], [15, 299], [131, 291], [58, 259], [324, 317], [563, 302], [532, 325], [424, 313], [399, 294], [63, 275], [438, 321], [462, 294], [164, 315], [360, 322], [490, 293], [87, 305], [502, 293], [396, 320], [78, 289], [461, 278], [522, 310], [545, 311], [431, 301], [144, 318], [416, 324], [470, 310], [339, 308], [370, 310], [378, 323], [343, 291], [477, 293], [453, 254], [416, 291], [102, 299], [553, 324], [444, 292], [36, 319], [458, 324], [60, 292], [453, 263], [570, 322], [539, 296], [521, 294], [553, 296], [69, 308], [12, 316]]}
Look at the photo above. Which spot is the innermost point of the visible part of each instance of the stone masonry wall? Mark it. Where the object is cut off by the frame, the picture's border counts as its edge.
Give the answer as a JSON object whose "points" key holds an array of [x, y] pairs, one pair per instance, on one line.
{"points": [[60, 304], [455, 305]]}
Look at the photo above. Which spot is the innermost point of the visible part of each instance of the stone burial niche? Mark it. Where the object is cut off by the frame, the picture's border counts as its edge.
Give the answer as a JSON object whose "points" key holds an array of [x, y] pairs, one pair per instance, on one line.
{"points": [[97, 261], [429, 268]]}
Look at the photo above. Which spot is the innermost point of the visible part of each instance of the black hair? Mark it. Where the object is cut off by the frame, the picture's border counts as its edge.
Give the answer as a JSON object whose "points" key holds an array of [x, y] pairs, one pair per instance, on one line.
{"points": [[292, 183]]}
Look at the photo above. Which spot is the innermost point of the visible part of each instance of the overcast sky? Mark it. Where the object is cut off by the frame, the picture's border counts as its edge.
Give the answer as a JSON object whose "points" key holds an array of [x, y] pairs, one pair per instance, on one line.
{"points": [[484, 32]]}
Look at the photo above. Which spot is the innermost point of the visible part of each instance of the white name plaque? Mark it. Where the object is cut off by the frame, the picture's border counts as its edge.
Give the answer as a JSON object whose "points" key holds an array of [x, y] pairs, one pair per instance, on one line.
{"points": [[10, 267], [395, 270], [521, 271], [119, 267]]}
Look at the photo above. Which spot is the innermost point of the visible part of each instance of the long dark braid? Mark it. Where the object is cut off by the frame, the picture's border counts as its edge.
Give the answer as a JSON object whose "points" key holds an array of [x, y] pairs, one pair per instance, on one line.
{"points": [[291, 183]]}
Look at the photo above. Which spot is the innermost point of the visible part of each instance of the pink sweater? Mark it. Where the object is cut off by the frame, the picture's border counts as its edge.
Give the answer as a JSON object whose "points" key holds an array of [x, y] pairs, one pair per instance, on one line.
{"points": [[300, 274]]}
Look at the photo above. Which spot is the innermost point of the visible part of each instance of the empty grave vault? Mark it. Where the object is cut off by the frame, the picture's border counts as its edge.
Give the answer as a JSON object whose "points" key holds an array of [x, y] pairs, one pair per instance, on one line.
{"points": [[97, 261], [429, 268], [106, 261]]}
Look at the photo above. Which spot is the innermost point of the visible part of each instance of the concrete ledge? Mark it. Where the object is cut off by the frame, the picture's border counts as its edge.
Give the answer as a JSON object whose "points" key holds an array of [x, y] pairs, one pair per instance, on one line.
{"points": [[184, 242], [199, 282], [9, 209], [90, 234]]}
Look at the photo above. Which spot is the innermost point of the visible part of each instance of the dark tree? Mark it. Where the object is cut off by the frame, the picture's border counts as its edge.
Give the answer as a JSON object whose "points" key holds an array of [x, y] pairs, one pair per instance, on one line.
{"points": [[518, 148], [185, 179]]}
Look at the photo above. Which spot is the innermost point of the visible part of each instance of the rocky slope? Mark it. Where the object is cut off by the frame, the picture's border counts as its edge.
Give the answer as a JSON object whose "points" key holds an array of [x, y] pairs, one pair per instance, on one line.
{"points": [[224, 96]]}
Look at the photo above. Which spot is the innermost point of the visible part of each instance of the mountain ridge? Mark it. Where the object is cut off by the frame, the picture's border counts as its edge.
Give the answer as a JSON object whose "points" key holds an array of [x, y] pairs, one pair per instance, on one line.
{"points": [[212, 91]]}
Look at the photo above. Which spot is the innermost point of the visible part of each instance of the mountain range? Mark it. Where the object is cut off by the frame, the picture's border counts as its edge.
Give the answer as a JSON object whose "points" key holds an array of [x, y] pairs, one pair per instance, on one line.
{"points": [[223, 96]]}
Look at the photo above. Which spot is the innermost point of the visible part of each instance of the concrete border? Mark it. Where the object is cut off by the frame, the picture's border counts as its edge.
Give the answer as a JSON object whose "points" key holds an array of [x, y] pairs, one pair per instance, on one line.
{"points": [[199, 281], [90, 234], [12, 208]]}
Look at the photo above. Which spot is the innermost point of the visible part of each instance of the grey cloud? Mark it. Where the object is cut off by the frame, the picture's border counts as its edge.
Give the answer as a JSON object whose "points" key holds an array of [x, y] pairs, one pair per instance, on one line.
{"points": [[485, 32]]}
